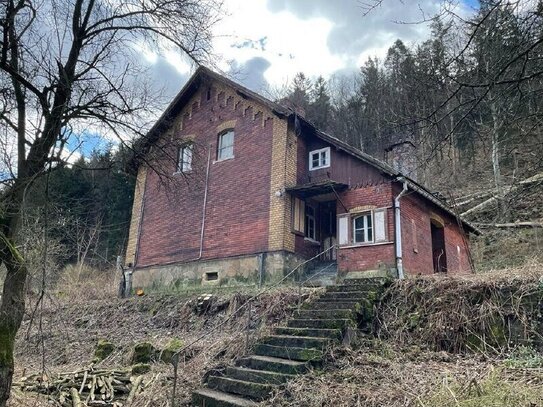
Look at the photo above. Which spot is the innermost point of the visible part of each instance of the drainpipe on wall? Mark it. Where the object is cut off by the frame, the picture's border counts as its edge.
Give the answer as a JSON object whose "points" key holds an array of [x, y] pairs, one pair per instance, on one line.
{"points": [[204, 206], [398, 229]]}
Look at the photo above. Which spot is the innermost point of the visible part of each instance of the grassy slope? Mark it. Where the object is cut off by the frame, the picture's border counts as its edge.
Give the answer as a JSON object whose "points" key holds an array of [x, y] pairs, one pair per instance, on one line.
{"points": [[378, 372]]}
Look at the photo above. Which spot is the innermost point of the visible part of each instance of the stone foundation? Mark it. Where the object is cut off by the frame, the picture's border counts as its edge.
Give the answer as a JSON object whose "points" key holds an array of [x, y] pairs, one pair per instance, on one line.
{"points": [[257, 269]]}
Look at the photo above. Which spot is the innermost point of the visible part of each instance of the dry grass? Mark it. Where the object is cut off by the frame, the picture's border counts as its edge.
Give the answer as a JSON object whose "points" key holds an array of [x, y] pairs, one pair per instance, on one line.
{"points": [[377, 374], [71, 327], [486, 312]]}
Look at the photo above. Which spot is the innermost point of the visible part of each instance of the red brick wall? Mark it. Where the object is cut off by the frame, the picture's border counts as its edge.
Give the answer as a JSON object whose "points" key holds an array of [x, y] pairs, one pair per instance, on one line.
{"points": [[237, 215], [369, 257], [417, 237]]}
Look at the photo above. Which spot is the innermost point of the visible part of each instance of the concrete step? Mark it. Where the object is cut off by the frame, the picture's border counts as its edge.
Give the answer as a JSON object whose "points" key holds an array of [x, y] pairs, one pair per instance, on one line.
{"points": [[352, 287], [252, 390], [369, 282], [212, 398], [257, 376], [344, 295], [321, 323], [289, 352], [296, 341], [273, 364], [333, 334], [326, 313], [332, 304]]}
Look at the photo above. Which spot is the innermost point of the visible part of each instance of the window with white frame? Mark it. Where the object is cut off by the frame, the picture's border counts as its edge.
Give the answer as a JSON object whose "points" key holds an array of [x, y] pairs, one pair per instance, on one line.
{"points": [[319, 158], [225, 145], [310, 224], [184, 158], [363, 228]]}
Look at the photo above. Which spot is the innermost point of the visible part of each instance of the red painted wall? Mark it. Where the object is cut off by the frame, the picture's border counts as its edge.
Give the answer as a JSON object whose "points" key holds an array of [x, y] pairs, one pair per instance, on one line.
{"points": [[237, 214]]}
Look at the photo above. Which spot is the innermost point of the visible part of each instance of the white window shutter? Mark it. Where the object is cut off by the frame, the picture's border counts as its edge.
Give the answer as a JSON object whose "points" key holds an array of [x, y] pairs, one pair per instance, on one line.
{"points": [[380, 225], [343, 230]]}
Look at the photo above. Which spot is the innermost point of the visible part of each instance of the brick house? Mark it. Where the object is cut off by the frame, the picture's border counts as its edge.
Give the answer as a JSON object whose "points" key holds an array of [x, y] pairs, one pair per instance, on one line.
{"points": [[237, 189]]}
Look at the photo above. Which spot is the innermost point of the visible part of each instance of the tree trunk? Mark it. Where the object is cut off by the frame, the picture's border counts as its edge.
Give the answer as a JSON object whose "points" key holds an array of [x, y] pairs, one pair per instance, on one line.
{"points": [[12, 307], [11, 316]]}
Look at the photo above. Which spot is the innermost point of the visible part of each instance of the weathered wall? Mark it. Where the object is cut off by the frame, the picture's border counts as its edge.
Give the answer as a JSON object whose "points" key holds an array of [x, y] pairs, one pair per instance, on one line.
{"points": [[237, 270], [416, 216]]}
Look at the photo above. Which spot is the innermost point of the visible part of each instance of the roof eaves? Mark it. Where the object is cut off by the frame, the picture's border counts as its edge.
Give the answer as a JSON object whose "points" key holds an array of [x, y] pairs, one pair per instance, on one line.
{"points": [[438, 202]]}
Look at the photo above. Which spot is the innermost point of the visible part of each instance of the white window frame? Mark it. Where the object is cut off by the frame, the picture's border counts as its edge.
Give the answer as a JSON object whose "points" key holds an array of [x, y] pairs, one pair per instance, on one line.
{"points": [[320, 165], [365, 228], [221, 148], [184, 158]]}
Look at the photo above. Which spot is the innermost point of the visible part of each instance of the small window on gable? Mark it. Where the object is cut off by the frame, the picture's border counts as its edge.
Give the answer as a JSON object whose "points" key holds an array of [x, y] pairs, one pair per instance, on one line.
{"points": [[363, 228], [319, 158], [184, 158], [225, 146]]}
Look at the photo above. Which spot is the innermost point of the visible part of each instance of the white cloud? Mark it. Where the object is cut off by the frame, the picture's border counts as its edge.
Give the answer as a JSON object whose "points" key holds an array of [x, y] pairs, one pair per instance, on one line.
{"points": [[291, 44]]}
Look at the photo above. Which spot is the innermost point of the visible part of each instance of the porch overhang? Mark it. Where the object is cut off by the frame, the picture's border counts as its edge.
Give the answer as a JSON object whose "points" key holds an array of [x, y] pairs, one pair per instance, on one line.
{"points": [[316, 188]]}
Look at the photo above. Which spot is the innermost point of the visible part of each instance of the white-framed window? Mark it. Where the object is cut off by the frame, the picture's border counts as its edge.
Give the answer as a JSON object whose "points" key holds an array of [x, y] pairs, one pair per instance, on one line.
{"points": [[363, 228], [225, 145], [319, 158], [310, 224], [184, 158]]}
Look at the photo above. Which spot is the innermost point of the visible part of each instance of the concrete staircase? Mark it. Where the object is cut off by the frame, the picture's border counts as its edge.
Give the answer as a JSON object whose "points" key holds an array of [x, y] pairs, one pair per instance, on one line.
{"points": [[320, 274], [295, 348]]}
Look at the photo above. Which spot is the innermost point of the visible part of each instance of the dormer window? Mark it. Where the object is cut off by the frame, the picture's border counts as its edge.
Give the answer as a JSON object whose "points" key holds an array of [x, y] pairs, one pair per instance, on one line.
{"points": [[184, 158], [319, 159]]}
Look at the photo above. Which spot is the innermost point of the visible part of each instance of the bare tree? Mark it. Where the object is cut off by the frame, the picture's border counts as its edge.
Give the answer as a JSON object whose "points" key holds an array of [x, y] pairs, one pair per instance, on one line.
{"points": [[66, 66]]}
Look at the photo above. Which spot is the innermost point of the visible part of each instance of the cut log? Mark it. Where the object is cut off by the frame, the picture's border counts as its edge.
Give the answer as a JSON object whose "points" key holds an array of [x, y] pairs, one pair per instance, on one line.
{"points": [[76, 402]]}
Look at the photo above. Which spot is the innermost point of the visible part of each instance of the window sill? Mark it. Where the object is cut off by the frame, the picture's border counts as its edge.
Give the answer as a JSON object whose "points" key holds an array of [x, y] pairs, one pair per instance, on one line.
{"points": [[312, 241], [182, 172], [354, 245], [222, 159], [319, 168]]}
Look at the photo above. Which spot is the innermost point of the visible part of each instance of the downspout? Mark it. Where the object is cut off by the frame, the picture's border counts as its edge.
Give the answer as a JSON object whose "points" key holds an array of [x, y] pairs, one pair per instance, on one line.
{"points": [[204, 206], [398, 229]]}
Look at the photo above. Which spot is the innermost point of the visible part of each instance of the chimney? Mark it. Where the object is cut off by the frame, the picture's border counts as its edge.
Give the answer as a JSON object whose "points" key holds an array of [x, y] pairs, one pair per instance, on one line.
{"points": [[402, 156]]}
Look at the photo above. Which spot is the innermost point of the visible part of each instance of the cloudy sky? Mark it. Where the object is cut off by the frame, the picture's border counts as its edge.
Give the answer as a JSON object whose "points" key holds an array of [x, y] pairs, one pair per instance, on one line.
{"points": [[266, 42]]}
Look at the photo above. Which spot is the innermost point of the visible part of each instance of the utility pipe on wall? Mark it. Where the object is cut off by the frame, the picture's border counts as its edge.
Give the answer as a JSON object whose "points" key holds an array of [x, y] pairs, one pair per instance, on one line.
{"points": [[398, 230], [204, 206]]}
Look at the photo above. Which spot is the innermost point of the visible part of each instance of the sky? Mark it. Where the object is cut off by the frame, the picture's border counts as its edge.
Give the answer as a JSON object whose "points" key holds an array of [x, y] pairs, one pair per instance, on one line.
{"points": [[264, 43]]}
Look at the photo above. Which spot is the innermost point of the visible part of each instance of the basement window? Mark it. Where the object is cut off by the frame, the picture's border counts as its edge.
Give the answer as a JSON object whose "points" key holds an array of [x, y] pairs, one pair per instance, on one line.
{"points": [[212, 276], [319, 159]]}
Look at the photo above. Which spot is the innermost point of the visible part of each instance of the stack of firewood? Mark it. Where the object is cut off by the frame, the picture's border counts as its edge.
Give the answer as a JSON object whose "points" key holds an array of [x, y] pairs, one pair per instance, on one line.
{"points": [[89, 387]]}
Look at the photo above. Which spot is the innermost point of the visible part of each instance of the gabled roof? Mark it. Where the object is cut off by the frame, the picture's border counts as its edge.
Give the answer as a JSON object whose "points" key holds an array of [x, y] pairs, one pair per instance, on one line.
{"points": [[203, 75]]}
